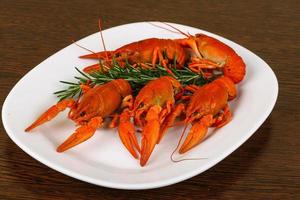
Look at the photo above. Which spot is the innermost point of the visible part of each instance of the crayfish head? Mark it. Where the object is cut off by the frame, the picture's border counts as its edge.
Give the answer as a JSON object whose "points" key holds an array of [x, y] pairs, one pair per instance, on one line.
{"points": [[160, 92], [210, 98], [212, 49], [157, 92], [87, 108]]}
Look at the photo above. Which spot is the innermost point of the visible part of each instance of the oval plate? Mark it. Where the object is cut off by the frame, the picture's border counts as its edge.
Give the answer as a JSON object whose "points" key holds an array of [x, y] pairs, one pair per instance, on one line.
{"points": [[103, 160]]}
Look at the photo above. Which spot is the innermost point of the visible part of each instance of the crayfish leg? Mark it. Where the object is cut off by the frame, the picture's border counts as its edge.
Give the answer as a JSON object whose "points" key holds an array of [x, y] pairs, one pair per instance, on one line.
{"points": [[92, 68], [197, 133], [191, 88], [223, 118], [127, 102], [85, 88], [166, 111], [81, 134], [138, 117], [169, 120], [99, 55], [51, 113], [198, 65], [157, 55], [114, 121]]}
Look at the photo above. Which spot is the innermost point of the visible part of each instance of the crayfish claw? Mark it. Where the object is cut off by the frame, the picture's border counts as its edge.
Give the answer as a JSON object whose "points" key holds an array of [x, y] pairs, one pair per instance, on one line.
{"points": [[127, 134], [92, 68], [150, 133], [197, 133], [51, 113], [81, 134]]}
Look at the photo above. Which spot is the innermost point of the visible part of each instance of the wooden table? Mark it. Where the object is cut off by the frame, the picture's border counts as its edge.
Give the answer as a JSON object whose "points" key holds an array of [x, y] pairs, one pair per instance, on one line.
{"points": [[267, 166]]}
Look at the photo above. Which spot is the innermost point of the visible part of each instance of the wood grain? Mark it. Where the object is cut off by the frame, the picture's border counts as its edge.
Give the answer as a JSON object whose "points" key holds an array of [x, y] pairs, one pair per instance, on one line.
{"points": [[267, 166]]}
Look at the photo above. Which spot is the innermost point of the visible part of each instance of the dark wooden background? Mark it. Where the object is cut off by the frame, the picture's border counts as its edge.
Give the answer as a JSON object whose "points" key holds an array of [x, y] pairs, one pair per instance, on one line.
{"points": [[267, 166]]}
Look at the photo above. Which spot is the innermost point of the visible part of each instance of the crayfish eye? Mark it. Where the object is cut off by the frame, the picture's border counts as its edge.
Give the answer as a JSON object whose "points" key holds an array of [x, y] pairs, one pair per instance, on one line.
{"points": [[82, 113]]}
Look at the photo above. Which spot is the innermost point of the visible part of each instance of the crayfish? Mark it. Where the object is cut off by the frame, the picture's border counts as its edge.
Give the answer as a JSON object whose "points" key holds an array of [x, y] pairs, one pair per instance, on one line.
{"points": [[160, 102], [89, 112], [202, 53], [208, 106], [155, 110], [150, 109]]}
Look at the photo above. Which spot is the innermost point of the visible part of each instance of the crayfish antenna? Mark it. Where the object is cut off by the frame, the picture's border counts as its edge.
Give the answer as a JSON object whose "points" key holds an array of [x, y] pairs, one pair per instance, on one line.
{"points": [[183, 33], [164, 28], [94, 55], [82, 47], [178, 144], [102, 39], [178, 31]]}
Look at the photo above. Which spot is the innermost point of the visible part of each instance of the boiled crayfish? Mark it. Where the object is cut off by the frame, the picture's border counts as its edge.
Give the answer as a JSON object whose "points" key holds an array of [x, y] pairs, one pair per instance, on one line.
{"points": [[161, 101], [152, 50], [155, 110], [202, 53], [150, 109], [208, 106], [89, 111]]}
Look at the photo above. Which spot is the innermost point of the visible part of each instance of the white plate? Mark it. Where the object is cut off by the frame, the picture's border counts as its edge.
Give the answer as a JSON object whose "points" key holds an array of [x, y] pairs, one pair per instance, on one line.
{"points": [[102, 160]]}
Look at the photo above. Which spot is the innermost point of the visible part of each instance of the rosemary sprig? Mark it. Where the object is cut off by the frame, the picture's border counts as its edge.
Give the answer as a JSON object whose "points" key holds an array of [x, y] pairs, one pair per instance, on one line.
{"points": [[136, 76]]}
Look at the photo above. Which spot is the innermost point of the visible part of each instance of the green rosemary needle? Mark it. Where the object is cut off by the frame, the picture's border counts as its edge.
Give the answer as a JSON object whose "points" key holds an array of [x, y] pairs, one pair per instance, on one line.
{"points": [[136, 76]]}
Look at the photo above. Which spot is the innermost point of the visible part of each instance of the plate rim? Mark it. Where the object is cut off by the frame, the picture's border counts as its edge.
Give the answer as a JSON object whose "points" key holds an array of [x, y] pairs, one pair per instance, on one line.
{"points": [[151, 185]]}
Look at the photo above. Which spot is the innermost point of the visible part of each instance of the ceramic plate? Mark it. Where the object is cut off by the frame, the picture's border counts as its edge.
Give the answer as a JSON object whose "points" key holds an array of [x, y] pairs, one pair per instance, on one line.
{"points": [[103, 160]]}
